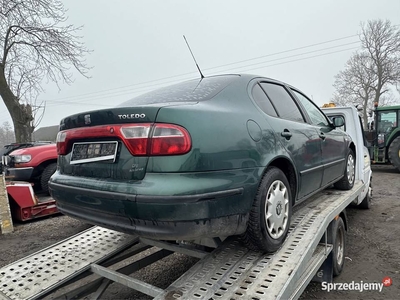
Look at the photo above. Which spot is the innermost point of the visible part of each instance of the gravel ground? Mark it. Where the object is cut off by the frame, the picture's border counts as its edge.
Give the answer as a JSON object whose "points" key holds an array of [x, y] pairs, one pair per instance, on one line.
{"points": [[373, 247]]}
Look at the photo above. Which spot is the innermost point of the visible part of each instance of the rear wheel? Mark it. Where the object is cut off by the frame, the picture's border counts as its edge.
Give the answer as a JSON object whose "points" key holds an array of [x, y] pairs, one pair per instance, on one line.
{"points": [[46, 174], [394, 152], [347, 182], [337, 237], [271, 213]]}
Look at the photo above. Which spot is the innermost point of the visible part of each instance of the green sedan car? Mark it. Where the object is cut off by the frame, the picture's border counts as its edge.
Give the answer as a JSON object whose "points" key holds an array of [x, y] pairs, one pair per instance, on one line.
{"points": [[212, 157]]}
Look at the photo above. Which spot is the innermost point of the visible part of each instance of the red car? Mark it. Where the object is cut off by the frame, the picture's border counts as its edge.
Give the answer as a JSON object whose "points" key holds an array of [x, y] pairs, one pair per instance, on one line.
{"points": [[33, 164]]}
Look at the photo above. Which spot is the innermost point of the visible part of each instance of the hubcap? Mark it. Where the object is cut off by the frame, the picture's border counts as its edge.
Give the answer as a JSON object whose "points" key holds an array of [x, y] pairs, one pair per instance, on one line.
{"points": [[350, 169], [277, 209]]}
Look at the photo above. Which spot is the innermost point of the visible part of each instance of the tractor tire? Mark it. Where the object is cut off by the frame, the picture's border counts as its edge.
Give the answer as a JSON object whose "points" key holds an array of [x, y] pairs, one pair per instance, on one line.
{"points": [[394, 153], [347, 181], [46, 174], [270, 215]]}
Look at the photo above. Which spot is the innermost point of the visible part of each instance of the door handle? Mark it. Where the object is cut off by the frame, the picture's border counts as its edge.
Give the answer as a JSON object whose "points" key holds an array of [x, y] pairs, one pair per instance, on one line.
{"points": [[286, 134], [322, 135]]}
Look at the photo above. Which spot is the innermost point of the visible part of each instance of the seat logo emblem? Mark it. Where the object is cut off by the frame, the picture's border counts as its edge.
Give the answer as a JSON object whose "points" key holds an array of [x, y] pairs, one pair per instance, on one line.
{"points": [[87, 119]]}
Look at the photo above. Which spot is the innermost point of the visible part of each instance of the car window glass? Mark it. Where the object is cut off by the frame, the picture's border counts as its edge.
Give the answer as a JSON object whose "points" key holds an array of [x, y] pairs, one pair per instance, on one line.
{"points": [[192, 90], [398, 119], [386, 121], [316, 116], [283, 102], [262, 101]]}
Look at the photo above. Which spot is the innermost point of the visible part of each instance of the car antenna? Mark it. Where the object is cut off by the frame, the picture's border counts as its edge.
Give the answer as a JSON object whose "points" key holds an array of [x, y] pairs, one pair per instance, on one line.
{"points": [[198, 68]]}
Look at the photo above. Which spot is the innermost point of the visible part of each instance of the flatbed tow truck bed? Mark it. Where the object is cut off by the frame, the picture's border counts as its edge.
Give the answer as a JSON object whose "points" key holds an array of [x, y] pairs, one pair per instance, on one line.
{"points": [[230, 271]]}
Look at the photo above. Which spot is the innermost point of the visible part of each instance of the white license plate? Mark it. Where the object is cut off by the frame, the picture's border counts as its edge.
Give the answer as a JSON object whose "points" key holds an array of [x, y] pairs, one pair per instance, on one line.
{"points": [[92, 152]]}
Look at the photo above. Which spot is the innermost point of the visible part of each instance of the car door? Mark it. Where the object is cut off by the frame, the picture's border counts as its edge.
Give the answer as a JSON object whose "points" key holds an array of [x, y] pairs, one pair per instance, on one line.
{"points": [[333, 145], [299, 138]]}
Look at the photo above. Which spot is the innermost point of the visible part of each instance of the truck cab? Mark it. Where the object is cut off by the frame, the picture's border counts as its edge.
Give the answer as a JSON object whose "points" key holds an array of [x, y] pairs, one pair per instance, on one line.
{"points": [[353, 126]]}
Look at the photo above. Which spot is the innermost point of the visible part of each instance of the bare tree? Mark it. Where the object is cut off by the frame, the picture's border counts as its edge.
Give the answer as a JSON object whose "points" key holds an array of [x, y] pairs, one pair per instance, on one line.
{"points": [[372, 71], [6, 134], [354, 84], [36, 45]]}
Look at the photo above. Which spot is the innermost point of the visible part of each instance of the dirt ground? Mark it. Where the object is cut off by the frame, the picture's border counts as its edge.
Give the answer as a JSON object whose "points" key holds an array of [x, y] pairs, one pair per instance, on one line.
{"points": [[373, 246]]}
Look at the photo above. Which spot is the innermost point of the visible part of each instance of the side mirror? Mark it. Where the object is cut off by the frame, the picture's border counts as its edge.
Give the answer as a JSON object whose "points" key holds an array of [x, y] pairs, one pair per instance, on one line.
{"points": [[338, 121]]}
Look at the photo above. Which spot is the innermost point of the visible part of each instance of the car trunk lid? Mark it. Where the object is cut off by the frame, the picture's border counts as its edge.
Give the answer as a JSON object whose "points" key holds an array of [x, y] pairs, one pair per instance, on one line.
{"points": [[110, 144]]}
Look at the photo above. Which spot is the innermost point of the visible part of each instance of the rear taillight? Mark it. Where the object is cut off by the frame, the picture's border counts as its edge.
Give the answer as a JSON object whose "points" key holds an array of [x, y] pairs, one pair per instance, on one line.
{"points": [[143, 139], [137, 138], [61, 144], [169, 139]]}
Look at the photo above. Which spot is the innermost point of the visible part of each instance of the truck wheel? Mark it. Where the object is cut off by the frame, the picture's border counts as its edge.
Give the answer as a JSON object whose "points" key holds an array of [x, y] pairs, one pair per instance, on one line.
{"points": [[394, 153], [337, 237], [347, 182], [270, 215], [366, 203], [46, 174]]}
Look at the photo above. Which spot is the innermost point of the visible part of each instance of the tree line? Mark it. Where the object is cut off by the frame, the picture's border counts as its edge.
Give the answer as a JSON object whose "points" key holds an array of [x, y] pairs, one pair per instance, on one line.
{"points": [[37, 45], [372, 73]]}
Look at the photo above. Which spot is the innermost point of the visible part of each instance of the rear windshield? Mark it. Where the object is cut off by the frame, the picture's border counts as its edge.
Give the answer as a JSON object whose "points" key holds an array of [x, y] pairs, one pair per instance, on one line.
{"points": [[193, 90]]}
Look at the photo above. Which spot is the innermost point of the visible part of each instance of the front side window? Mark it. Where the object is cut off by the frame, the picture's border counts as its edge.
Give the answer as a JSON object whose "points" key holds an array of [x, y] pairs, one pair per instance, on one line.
{"points": [[316, 116], [282, 102]]}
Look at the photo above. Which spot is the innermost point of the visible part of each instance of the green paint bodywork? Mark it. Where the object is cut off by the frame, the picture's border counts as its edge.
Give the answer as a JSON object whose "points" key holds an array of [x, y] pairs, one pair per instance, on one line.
{"points": [[233, 143]]}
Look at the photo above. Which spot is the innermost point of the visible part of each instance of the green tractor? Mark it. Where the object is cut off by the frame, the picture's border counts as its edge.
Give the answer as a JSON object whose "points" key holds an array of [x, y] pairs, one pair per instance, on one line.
{"points": [[385, 136]]}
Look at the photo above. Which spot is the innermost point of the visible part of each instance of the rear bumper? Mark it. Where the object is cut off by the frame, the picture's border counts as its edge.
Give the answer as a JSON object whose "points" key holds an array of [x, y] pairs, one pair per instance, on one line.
{"points": [[161, 230], [216, 210], [19, 174]]}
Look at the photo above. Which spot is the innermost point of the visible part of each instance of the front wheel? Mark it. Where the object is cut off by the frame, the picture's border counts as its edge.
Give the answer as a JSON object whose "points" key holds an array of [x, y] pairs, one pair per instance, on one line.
{"points": [[46, 174], [347, 181], [366, 203], [271, 212]]}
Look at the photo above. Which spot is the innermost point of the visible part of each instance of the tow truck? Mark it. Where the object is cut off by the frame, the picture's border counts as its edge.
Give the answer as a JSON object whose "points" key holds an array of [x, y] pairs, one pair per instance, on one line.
{"points": [[87, 263]]}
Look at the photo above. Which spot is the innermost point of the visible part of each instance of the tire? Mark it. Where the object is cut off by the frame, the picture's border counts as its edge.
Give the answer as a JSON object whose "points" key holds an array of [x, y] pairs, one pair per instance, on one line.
{"points": [[366, 203], [269, 220], [347, 181], [337, 237], [46, 174], [394, 152]]}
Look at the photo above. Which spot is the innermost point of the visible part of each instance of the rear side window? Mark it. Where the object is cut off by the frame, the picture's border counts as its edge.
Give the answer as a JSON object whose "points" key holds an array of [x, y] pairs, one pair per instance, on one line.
{"points": [[284, 104], [193, 90], [262, 101]]}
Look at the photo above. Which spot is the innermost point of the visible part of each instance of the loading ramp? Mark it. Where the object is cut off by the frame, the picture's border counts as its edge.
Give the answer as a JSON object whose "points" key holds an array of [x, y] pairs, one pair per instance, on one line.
{"points": [[230, 271]]}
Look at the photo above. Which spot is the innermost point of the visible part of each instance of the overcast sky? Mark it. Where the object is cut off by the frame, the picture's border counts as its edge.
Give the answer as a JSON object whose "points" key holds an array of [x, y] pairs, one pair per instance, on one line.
{"points": [[138, 45]]}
